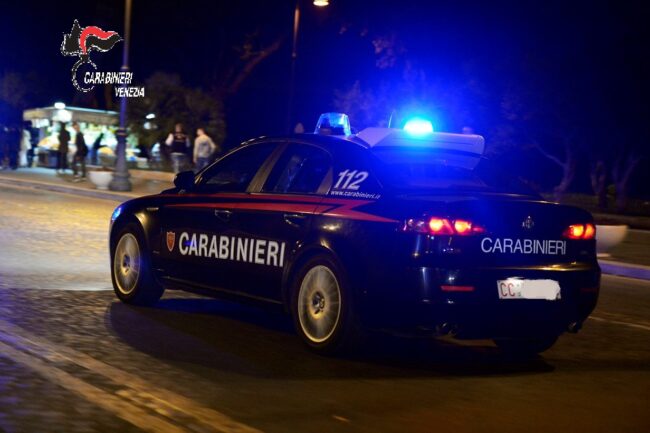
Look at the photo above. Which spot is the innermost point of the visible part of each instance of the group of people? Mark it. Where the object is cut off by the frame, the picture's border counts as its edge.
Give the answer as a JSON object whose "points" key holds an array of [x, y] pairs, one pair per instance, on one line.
{"points": [[16, 147], [81, 152], [182, 152]]}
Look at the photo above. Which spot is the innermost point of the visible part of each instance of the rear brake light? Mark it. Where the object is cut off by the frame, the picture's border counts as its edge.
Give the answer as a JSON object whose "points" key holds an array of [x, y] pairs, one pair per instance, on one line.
{"points": [[442, 226], [462, 227], [580, 231]]}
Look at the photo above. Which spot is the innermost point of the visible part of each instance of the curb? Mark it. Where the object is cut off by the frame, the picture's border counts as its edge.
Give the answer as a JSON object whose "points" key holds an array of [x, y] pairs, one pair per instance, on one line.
{"points": [[625, 269], [104, 195]]}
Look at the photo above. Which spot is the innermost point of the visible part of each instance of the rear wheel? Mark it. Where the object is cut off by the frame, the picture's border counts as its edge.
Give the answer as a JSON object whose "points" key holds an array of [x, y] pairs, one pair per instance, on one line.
{"points": [[322, 306], [526, 346], [131, 274]]}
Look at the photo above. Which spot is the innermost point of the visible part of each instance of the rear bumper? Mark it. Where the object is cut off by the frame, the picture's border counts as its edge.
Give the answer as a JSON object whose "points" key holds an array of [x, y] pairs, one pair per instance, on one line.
{"points": [[416, 302]]}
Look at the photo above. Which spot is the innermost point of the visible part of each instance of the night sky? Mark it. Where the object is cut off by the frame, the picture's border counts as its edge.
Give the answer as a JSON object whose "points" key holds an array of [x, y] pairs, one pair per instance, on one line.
{"points": [[599, 51]]}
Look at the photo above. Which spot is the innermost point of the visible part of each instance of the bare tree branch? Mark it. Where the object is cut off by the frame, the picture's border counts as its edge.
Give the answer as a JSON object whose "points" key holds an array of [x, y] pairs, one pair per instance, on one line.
{"points": [[621, 173], [632, 161], [253, 59], [548, 155]]}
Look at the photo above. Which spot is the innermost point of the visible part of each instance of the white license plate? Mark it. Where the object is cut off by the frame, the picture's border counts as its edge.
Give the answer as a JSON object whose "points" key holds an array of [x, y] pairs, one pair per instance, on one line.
{"points": [[518, 288]]}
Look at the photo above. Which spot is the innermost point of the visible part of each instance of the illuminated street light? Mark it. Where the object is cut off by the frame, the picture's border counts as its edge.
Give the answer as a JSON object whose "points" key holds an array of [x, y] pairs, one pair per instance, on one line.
{"points": [[59, 105], [321, 3]]}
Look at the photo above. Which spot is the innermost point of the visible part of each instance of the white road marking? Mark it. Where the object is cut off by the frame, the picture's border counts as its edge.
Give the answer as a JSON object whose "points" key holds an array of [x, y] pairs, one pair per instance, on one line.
{"points": [[38, 354], [620, 322], [105, 400]]}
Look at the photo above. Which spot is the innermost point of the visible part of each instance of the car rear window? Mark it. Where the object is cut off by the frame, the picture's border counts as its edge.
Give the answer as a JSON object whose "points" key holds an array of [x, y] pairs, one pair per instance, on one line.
{"points": [[430, 169]]}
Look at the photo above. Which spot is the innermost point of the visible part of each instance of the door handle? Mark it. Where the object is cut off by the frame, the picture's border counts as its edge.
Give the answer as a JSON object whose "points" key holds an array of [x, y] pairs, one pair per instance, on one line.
{"points": [[294, 219], [223, 214]]}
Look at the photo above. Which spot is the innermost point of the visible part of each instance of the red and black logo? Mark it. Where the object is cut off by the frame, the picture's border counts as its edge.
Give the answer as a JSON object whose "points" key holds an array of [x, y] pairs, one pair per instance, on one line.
{"points": [[81, 41]]}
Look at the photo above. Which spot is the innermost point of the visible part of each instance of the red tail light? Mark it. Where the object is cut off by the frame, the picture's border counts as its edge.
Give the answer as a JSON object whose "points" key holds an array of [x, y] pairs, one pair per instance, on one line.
{"points": [[462, 227], [580, 231], [442, 226]]}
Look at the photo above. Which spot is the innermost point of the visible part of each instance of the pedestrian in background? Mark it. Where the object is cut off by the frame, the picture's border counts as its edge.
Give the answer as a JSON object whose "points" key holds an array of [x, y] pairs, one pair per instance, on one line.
{"points": [[80, 154], [33, 142], [179, 144], [204, 149], [25, 145], [64, 139], [94, 152]]}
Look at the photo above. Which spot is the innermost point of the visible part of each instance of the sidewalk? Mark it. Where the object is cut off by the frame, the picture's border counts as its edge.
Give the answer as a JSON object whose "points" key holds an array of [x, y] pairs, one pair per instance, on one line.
{"points": [[630, 259], [143, 183]]}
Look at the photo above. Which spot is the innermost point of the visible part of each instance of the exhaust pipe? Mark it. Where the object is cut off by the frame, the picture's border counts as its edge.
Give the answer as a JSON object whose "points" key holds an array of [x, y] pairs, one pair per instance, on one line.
{"points": [[447, 328], [574, 327]]}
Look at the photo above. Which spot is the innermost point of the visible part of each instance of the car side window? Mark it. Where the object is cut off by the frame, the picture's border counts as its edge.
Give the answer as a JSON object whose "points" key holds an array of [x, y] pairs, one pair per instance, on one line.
{"points": [[235, 172], [301, 169]]}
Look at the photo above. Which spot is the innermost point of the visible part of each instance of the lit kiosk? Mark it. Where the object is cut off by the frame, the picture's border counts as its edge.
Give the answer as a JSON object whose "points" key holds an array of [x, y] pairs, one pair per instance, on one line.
{"points": [[46, 123]]}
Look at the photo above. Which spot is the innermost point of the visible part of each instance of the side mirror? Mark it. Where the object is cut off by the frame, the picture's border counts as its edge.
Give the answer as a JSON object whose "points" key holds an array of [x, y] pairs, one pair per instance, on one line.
{"points": [[184, 180]]}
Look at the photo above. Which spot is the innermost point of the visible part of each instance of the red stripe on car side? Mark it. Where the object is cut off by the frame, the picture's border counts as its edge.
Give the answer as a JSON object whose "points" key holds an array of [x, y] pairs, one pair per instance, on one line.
{"points": [[273, 197], [279, 207], [347, 211], [337, 208]]}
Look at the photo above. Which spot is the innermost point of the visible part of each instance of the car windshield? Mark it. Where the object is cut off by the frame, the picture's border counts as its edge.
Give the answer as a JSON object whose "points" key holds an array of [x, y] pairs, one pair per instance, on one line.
{"points": [[419, 170]]}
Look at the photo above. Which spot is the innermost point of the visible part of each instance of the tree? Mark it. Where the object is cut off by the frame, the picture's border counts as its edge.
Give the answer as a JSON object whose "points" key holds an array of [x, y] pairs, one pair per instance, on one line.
{"points": [[20, 91], [622, 169], [244, 58], [567, 164], [401, 86], [172, 102], [542, 116], [364, 107], [598, 177]]}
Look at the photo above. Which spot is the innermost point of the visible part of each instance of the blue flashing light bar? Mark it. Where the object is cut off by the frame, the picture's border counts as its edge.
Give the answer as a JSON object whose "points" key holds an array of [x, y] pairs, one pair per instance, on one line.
{"points": [[418, 126], [333, 124]]}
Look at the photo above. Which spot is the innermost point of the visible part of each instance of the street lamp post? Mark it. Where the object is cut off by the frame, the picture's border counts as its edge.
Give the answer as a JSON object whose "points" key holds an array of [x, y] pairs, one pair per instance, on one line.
{"points": [[120, 180], [294, 56]]}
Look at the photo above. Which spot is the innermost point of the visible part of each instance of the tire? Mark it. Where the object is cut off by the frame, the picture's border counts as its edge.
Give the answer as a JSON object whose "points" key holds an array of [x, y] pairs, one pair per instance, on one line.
{"points": [[322, 307], [131, 273], [525, 346]]}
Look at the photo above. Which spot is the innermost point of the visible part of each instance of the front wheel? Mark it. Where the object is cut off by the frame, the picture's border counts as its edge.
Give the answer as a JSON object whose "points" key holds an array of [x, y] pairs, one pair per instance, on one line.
{"points": [[526, 346], [131, 274], [322, 307]]}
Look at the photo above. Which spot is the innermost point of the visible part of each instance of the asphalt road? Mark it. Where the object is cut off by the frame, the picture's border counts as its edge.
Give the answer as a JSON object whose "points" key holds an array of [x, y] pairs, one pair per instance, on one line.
{"points": [[73, 359]]}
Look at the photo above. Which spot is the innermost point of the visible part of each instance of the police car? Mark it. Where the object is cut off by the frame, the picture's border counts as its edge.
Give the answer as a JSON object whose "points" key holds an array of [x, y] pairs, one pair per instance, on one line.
{"points": [[405, 230]]}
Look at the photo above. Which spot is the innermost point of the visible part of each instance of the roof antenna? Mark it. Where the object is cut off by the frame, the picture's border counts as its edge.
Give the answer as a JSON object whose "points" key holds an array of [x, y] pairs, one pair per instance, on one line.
{"points": [[390, 119]]}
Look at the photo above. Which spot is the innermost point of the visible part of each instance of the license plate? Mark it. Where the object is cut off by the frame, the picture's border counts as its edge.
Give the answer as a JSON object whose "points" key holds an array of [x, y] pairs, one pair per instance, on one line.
{"points": [[518, 288]]}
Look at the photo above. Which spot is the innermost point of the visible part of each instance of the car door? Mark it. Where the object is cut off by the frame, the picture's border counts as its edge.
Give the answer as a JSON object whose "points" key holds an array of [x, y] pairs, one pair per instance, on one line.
{"points": [[278, 214], [198, 224]]}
